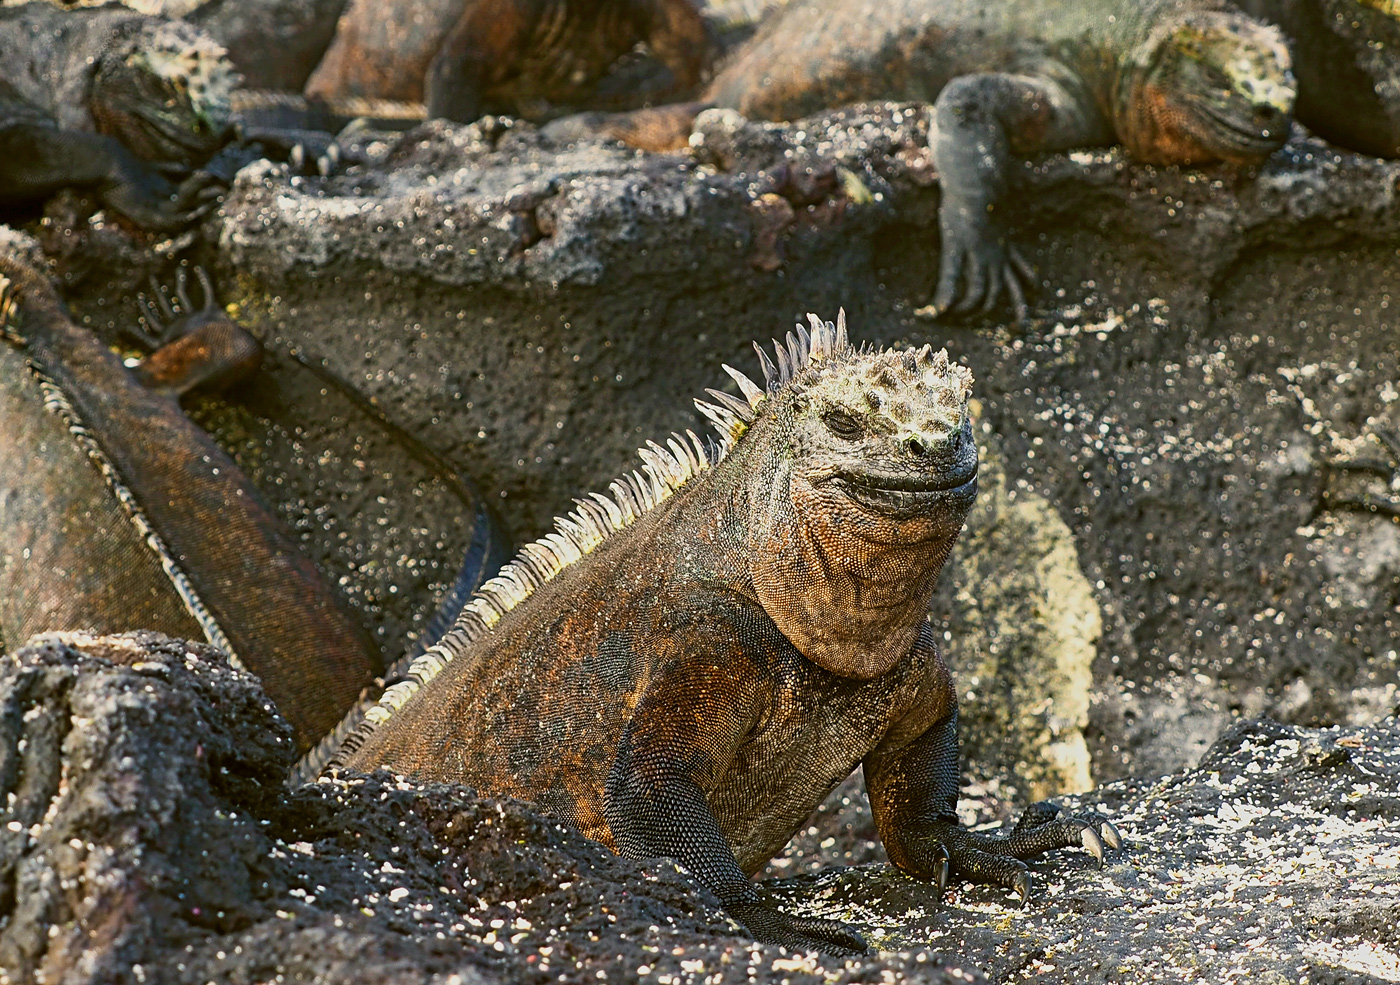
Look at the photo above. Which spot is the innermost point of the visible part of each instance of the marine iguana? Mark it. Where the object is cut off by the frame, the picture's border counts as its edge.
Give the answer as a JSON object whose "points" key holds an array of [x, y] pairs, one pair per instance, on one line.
{"points": [[239, 572], [1346, 55], [528, 58], [114, 100], [1173, 81], [688, 666]]}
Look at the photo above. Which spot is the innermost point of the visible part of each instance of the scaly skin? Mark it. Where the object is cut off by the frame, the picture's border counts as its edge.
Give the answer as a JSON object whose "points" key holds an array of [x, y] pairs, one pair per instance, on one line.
{"points": [[689, 668], [1173, 81], [239, 572], [112, 100], [529, 58], [1345, 57]]}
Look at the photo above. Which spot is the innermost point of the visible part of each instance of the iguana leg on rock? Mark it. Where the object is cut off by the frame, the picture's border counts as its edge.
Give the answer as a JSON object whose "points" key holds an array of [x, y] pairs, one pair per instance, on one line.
{"points": [[37, 159], [655, 801], [913, 791], [981, 123]]}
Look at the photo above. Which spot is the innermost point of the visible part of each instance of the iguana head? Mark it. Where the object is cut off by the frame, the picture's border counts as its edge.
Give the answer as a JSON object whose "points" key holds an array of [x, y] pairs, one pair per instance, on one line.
{"points": [[163, 89], [869, 470], [1214, 86]]}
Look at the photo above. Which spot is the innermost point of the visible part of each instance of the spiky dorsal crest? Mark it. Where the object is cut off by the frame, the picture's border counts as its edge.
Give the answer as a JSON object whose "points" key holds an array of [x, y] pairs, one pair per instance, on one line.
{"points": [[665, 469], [824, 343]]}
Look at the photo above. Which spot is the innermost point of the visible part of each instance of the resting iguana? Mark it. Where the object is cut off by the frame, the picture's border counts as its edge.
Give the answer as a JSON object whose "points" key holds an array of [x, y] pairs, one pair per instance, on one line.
{"points": [[1346, 54], [239, 572], [689, 666], [529, 58], [1173, 81], [113, 100]]}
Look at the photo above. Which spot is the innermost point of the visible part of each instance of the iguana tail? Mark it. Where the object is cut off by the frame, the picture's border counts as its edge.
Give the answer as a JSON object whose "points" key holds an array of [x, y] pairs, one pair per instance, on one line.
{"points": [[239, 572]]}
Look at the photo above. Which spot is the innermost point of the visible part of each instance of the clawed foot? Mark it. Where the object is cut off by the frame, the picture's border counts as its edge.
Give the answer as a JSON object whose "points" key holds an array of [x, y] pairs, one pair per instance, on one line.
{"points": [[976, 268], [149, 199], [997, 859], [193, 348], [770, 925]]}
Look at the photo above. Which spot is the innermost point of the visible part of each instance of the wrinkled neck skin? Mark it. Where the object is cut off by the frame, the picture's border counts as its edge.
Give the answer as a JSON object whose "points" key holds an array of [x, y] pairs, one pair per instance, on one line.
{"points": [[1137, 92], [849, 588], [1152, 105]]}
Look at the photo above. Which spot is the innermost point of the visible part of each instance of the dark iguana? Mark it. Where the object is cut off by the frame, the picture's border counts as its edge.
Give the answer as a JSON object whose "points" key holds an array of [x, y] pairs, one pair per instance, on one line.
{"points": [[1346, 54], [529, 58], [113, 100], [689, 666], [240, 574], [1173, 81]]}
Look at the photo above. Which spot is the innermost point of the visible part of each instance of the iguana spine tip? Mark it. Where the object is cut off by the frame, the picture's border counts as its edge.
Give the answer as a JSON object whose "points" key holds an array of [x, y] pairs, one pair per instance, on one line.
{"points": [[665, 469]]}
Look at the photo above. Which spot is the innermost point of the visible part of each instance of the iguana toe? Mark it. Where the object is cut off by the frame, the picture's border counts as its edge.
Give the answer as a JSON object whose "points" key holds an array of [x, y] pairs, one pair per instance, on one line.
{"points": [[1092, 844], [1023, 886], [1110, 835], [770, 925]]}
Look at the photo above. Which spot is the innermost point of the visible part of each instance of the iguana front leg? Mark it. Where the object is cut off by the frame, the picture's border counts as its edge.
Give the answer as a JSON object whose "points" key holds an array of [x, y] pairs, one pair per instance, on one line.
{"points": [[38, 159], [680, 740], [913, 795], [194, 348], [980, 122]]}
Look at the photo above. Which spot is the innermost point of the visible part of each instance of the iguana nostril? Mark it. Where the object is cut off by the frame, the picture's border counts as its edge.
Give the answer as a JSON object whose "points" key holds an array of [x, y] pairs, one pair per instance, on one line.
{"points": [[916, 447]]}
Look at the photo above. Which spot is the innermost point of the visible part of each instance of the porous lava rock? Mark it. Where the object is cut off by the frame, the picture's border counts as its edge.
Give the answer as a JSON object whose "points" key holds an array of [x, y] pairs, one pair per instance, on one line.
{"points": [[146, 837]]}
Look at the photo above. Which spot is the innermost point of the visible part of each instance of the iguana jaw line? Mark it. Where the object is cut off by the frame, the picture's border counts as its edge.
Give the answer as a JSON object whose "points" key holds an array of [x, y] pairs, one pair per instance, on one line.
{"points": [[1165, 114], [901, 497]]}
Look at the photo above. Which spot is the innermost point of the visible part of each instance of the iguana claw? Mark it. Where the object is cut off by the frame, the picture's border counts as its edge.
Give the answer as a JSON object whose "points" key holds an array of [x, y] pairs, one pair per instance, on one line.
{"points": [[1110, 835], [1092, 844], [1023, 886]]}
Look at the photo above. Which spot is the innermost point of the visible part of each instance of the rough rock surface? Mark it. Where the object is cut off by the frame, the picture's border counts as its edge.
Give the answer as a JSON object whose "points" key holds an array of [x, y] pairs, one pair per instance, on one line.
{"points": [[145, 838], [1211, 356]]}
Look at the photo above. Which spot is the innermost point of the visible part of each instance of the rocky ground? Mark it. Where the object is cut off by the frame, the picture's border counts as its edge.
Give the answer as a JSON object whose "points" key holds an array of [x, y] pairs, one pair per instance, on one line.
{"points": [[146, 838], [1188, 522]]}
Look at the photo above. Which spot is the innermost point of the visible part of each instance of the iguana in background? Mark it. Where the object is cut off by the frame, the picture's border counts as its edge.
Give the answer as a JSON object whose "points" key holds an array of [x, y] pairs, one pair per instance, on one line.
{"points": [[1346, 54], [239, 573], [528, 58], [689, 666], [113, 100], [1173, 81]]}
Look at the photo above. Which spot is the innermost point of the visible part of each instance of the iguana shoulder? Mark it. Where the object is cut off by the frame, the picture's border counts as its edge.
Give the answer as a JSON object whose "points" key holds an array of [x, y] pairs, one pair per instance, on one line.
{"points": [[688, 664]]}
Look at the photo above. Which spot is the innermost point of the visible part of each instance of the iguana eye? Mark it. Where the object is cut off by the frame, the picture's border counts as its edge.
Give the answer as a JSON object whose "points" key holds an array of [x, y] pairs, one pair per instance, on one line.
{"points": [[842, 424]]}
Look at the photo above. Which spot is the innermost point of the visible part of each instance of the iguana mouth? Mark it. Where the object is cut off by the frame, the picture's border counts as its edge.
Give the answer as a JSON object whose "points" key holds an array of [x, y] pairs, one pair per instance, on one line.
{"points": [[904, 494], [1243, 135], [177, 131]]}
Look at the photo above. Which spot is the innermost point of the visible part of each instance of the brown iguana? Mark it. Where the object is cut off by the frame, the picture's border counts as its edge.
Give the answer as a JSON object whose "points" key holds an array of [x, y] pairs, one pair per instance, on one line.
{"points": [[688, 666], [1173, 81], [529, 58], [111, 99], [240, 574]]}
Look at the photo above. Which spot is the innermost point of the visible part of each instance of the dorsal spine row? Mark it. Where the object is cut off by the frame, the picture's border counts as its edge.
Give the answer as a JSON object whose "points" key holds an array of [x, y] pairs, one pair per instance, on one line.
{"points": [[664, 470]]}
